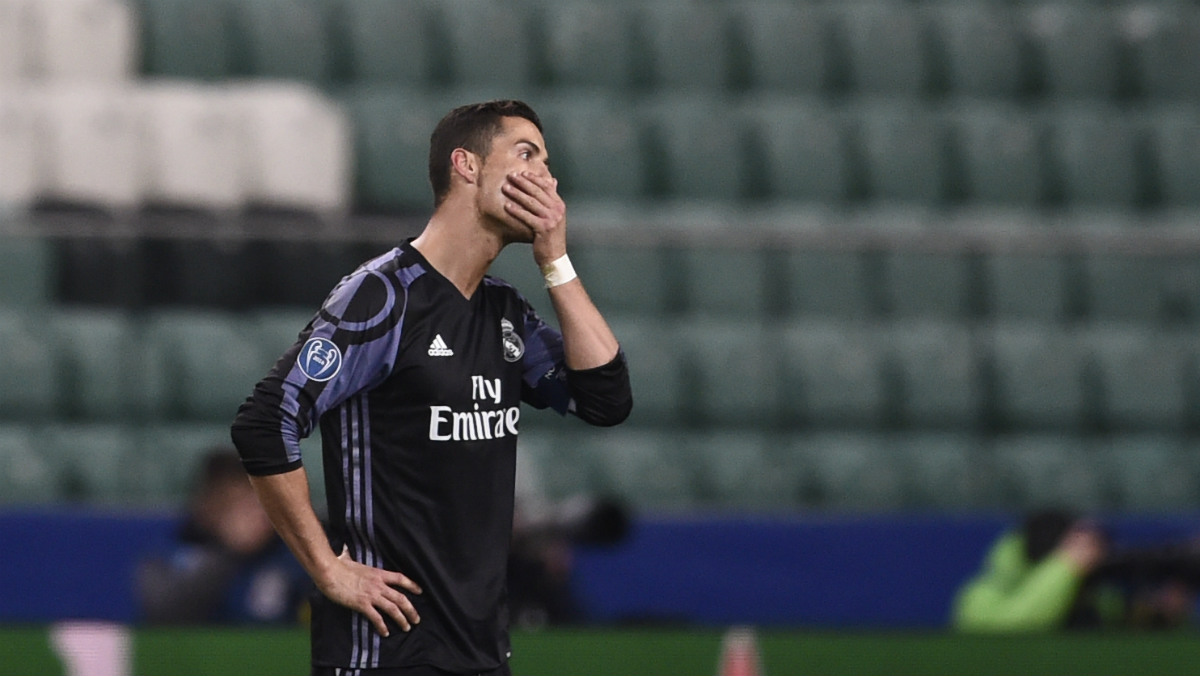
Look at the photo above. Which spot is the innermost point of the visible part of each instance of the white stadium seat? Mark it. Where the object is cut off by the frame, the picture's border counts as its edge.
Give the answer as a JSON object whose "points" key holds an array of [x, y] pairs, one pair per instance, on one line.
{"points": [[192, 146], [296, 147], [13, 40], [83, 40], [93, 139], [19, 182]]}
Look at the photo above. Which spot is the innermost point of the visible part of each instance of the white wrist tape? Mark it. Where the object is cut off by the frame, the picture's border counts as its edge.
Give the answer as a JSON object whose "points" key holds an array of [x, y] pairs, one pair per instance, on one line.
{"points": [[559, 271]]}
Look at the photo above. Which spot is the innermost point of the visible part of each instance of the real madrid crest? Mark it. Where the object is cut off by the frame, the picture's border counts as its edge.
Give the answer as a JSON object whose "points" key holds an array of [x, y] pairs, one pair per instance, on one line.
{"points": [[514, 347]]}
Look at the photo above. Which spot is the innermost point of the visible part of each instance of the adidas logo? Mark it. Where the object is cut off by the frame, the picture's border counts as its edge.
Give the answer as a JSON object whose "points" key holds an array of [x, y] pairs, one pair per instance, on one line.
{"points": [[438, 348]]}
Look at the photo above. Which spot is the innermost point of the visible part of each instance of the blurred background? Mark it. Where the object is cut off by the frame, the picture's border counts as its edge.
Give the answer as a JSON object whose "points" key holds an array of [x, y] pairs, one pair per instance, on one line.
{"points": [[890, 274]]}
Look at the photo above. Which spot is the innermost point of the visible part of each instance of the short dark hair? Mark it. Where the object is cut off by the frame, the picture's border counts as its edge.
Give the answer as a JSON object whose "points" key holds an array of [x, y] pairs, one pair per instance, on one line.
{"points": [[471, 127]]}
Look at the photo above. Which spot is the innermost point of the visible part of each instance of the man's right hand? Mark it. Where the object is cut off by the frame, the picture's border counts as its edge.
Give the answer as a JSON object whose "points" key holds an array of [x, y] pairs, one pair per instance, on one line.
{"points": [[374, 592]]}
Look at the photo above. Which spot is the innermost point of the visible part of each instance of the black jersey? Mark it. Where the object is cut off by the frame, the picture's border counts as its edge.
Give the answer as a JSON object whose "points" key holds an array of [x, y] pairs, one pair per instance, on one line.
{"points": [[417, 391]]}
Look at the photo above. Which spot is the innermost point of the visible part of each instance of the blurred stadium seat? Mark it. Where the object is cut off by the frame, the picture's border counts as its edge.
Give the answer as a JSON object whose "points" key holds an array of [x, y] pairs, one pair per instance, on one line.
{"points": [[591, 45], [266, 34], [656, 369], [26, 393], [97, 355], [27, 272], [690, 45], [1001, 150], [1037, 376], [1175, 147], [20, 149], [805, 150], [186, 39], [648, 470], [904, 146], [1147, 472], [1033, 286], [742, 471], [687, 168], [943, 470], [1099, 156], [94, 146], [193, 147], [26, 475], [833, 284], [388, 43], [1164, 38], [985, 50], [13, 33], [789, 47], [1142, 378], [85, 41], [724, 281], [87, 462], [733, 373], [493, 44], [833, 375], [886, 48], [297, 147], [597, 147], [848, 471], [1036, 470], [928, 284], [936, 366], [1077, 50]]}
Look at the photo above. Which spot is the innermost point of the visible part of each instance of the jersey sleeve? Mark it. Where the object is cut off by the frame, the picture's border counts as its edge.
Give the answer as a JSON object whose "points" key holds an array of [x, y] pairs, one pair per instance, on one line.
{"points": [[599, 396], [349, 346]]}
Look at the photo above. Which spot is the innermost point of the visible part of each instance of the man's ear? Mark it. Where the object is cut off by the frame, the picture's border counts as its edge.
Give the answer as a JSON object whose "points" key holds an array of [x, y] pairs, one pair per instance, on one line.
{"points": [[465, 164]]}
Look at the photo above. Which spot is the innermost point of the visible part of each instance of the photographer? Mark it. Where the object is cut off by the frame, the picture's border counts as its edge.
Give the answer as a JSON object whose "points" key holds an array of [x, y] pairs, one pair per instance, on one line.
{"points": [[1059, 571]]}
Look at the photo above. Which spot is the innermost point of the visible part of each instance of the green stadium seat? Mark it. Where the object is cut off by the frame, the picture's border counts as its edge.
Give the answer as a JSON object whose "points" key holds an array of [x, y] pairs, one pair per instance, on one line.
{"points": [[625, 279], [26, 475], [392, 128], [1046, 470], [28, 272], [267, 34], [734, 371], [805, 147], [1164, 39], [1124, 287], [904, 149], [204, 364], [646, 470], [938, 379], [491, 44], [742, 471], [88, 462], [690, 169], [1097, 151], [278, 329], [1175, 146], [1142, 377], [1077, 50], [833, 284], [690, 45], [388, 43], [591, 44], [789, 46], [927, 284], [1001, 150], [727, 282], [98, 352], [886, 48], [656, 369], [186, 39], [595, 147], [832, 375], [1027, 286], [28, 388], [165, 460], [551, 466], [203, 272], [848, 472], [1037, 376], [943, 470], [1148, 472], [983, 48]]}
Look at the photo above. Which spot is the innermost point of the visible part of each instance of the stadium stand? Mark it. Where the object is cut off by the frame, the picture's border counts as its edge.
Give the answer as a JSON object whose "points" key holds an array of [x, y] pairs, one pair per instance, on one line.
{"points": [[868, 255]]}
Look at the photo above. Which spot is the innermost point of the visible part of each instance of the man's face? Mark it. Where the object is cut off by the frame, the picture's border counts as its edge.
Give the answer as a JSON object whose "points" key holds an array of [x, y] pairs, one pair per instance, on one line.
{"points": [[518, 147]]}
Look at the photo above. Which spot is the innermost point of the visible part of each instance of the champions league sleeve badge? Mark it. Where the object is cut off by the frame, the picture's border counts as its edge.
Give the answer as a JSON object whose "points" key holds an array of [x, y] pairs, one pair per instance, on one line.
{"points": [[514, 347], [319, 359]]}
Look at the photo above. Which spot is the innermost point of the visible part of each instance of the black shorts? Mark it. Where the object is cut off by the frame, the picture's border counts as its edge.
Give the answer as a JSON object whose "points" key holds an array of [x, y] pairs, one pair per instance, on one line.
{"points": [[423, 670]]}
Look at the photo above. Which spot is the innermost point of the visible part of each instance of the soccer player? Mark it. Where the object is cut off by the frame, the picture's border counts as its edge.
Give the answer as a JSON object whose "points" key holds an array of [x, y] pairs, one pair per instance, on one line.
{"points": [[415, 369]]}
